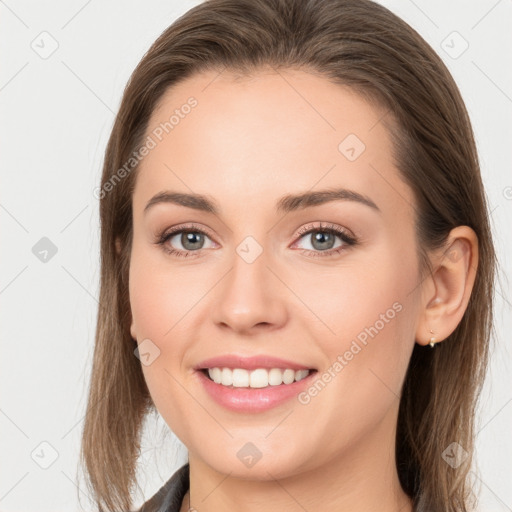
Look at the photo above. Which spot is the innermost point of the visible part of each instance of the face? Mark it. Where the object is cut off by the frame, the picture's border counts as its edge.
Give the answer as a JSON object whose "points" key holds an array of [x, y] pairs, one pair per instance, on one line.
{"points": [[329, 283]]}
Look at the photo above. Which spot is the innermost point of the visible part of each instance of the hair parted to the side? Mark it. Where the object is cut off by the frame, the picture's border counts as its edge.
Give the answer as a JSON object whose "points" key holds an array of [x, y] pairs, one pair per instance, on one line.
{"points": [[356, 43]]}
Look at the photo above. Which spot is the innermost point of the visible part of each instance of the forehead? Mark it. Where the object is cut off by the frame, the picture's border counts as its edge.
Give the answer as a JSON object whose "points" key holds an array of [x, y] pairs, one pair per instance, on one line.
{"points": [[249, 140]]}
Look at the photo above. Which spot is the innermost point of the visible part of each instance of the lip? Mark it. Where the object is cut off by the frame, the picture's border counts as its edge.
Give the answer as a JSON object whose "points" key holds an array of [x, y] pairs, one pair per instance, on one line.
{"points": [[250, 363], [252, 400]]}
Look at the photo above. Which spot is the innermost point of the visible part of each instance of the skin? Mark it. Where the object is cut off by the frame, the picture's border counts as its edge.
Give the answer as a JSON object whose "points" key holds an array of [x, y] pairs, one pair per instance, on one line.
{"points": [[247, 143]]}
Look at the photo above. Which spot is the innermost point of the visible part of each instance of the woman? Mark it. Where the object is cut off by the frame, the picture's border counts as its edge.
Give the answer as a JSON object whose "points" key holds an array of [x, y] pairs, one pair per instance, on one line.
{"points": [[297, 266]]}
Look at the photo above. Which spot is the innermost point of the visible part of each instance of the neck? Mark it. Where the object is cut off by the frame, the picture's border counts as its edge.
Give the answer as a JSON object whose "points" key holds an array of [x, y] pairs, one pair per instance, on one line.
{"points": [[361, 479]]}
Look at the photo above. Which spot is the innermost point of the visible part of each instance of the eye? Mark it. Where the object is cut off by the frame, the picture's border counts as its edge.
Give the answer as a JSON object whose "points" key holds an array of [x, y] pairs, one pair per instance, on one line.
{"points": [[191, 239], [322, 239]]}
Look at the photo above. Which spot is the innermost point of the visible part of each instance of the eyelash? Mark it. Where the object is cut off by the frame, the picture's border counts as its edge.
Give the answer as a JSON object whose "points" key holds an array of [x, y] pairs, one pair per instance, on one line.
{"points": [[348, 241]]}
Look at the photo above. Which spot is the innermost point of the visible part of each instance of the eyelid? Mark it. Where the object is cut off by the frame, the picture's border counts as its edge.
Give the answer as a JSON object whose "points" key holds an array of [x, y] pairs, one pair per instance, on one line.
{"points": [[345, 235], [302, 231], [190, 226], [325, 226]]}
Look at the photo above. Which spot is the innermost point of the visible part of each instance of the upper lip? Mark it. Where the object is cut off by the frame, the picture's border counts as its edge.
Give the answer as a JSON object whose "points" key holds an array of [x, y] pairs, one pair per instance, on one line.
{"points": [[249, 363]]}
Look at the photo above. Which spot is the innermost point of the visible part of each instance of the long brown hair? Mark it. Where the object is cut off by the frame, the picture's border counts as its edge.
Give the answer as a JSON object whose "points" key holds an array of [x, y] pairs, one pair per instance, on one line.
{"points": [[356, 43]]}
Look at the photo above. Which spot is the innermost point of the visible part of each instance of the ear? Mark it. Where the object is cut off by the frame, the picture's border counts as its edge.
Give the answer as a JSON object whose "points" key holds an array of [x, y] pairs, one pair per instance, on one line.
{"points": [[446, 291]]}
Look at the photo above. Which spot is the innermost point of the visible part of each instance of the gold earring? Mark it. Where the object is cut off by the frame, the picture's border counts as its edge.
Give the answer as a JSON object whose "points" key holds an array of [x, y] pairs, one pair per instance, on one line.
{"points": [[432, 339]]}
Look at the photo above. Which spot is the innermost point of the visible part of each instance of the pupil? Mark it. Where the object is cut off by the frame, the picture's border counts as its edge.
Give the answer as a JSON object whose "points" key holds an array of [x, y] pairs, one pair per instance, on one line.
{"points": [[321, 240], [325, 240], [191, 240]]}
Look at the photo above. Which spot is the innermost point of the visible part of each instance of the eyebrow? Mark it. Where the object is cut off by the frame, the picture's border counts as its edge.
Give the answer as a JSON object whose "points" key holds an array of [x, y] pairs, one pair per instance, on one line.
{"points": [[287, 203]]}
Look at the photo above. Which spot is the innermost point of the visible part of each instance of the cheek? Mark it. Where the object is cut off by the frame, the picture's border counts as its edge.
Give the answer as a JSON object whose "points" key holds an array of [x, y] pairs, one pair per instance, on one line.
{"points": [[366, 360], [157, 305], [154, 303], [371, 315], [349, 299], [158, 294], [148, 306]]}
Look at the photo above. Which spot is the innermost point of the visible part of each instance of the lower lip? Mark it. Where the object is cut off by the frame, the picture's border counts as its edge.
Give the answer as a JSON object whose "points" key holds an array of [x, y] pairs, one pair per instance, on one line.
{"points": [[253, 399]]}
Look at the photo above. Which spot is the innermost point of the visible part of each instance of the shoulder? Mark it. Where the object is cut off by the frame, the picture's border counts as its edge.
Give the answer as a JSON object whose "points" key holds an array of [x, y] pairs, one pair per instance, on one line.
{"points": [[170, 496]]}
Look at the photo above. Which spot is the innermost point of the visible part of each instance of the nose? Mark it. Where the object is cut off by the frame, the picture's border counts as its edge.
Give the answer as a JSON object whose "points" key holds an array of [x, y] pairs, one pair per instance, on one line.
{"points": [[251, 297]]}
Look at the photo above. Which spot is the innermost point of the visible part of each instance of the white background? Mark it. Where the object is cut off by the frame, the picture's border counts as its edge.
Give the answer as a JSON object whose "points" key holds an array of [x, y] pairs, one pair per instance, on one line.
{"points": [[56, 115]]}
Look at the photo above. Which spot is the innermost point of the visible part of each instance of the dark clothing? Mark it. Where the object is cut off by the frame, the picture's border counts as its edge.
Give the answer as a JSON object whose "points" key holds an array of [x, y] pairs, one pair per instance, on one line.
{"points": [[170, 495]]}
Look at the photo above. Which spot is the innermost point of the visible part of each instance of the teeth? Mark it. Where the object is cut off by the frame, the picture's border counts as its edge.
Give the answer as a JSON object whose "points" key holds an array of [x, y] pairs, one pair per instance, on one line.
{"points": [[260, 378]]}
